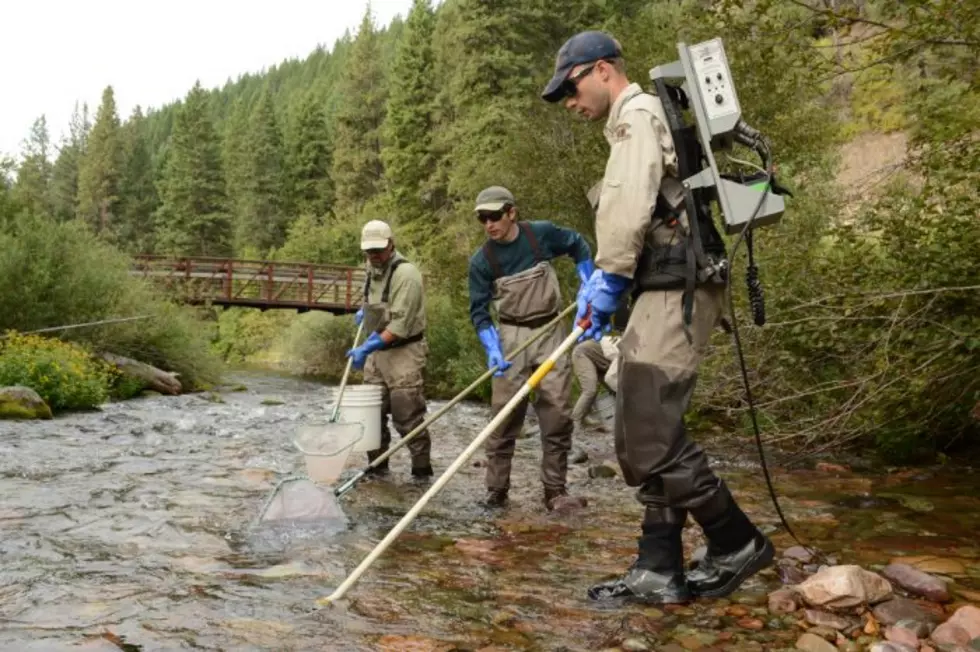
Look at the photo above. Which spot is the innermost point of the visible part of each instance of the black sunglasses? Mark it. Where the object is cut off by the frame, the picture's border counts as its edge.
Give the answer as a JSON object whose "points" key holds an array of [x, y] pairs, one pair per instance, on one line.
{"points": [[570, 85], [492, 216]]}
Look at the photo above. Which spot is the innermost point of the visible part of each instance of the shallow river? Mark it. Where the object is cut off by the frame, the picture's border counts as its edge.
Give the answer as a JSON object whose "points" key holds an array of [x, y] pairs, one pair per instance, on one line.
{"points": [[132, 528]]}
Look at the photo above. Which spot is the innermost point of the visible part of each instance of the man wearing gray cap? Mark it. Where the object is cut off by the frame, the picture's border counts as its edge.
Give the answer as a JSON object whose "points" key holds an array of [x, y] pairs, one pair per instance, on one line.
{"points": [[513, 271], [394, 354], [642, 235]]}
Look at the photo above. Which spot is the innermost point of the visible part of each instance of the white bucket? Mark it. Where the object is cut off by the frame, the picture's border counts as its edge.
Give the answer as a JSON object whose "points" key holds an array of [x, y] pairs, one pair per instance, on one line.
{"points": [[360, 404], [326, 447]]}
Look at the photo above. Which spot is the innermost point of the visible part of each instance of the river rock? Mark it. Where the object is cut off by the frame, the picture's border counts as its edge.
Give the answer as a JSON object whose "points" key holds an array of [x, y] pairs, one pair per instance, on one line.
{"points": [[799, 553], [917, 582], [898, 634], [824, 619], [890, 646], [813, 643], [634, 645], [962, 627], [837, 587], [17, 402], [898, 608], [783, 601], [605, 470]]}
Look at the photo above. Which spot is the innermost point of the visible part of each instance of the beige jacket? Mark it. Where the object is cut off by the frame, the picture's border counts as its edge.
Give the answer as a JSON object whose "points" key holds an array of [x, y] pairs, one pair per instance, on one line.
{"points": [[642, 162]]}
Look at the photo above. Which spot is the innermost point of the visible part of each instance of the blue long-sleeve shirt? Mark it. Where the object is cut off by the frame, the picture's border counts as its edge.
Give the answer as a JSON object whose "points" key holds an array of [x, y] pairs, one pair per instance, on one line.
{"points": [[516, 257]]}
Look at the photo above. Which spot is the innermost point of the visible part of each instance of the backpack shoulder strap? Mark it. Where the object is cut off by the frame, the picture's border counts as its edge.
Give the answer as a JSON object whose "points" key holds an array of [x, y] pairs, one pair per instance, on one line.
{"points": [[529, 234], [386, 293]]}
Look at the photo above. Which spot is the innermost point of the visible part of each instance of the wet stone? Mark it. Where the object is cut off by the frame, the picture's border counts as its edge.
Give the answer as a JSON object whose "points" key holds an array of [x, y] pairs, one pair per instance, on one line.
{"points": [[813, 643], [799, 553], [917, 582], [920, 628], [898, 634], [898, 608], [890, 646], [783, 601], [825, 619], [827, 633], [604, 470], [634, 645]]}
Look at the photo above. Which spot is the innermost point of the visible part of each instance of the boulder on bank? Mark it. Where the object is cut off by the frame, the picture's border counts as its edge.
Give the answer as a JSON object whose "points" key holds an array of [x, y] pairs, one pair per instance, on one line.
{"points": [[18, 402], [164, 382]]}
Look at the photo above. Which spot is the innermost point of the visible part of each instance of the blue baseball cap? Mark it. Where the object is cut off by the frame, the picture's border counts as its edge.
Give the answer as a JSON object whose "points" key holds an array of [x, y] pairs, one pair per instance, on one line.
{"points": [[584, 47]]}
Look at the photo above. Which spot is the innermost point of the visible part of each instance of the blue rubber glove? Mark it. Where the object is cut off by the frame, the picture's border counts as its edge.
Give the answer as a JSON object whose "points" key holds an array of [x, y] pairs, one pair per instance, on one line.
{"points": [[584, 293], [491, 344], [360, 354], [603, 298], [359, 316], [585, 270]]}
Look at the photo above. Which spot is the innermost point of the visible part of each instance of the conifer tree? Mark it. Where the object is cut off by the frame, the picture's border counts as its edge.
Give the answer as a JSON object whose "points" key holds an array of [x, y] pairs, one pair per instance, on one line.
{"points": [[193, 215], [357, 167], [138, 194], [34, 173], [100, 168], [309, 159], [407, 154], [64, 175], [261, 221]]}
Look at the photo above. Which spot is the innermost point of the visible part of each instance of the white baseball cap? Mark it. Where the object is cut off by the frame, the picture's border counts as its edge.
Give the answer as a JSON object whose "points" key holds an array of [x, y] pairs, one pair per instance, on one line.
{"points": [[375, 235]]}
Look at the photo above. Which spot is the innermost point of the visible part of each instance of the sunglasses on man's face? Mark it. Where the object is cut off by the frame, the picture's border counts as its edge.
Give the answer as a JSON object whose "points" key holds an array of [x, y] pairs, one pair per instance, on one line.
{"points": [[570, 85], [490, 216]]}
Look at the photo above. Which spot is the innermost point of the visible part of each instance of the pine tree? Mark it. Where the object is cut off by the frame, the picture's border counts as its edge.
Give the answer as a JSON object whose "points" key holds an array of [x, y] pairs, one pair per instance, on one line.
{"points": [[193, 214], [138, 194], [261, 221], [407, 155], [357, 167], [64, 176], [496, 56], [309, 159], [34, 173], [100, 167]]}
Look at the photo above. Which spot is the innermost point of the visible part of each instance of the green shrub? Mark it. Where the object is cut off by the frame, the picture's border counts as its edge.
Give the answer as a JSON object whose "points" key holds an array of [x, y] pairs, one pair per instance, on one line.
{"points": [[54, 274], [62, 373]]}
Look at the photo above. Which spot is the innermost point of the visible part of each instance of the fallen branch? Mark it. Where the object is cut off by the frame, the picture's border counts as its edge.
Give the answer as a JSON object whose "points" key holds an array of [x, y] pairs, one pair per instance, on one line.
{"points": [[165, 382]]}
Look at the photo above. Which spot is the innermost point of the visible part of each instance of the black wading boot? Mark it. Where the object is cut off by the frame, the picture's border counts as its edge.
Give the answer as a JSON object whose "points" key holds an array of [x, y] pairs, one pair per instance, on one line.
{"points": [[736, 548], [657, 575]]}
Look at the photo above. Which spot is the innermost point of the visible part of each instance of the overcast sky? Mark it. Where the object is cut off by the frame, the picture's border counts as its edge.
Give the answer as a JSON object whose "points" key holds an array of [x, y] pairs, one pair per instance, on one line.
{"points": [[54, 52]]}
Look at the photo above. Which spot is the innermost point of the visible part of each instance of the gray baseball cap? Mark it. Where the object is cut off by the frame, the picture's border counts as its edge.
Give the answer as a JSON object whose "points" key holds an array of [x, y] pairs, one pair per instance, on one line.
{"points": [[494, 198]]}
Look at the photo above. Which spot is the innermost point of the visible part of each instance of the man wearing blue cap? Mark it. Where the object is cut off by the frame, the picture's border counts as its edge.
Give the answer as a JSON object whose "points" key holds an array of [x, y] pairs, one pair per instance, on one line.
{"points": [[642, 233]]}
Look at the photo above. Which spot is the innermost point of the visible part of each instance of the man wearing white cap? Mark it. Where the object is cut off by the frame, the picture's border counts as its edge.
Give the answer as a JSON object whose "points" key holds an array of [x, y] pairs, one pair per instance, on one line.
{"points": [[394, 354]]}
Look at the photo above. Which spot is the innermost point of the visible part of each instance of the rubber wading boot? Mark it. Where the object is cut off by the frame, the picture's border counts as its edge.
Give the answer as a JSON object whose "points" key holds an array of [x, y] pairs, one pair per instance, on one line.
{"points": [[551, 495], [422, 471], [495, 498], [736, 548], [657, 575]]}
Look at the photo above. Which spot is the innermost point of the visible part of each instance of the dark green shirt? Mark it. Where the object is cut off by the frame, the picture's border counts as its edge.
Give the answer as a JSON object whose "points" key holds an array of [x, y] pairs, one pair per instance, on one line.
{"points": [[516, 257]]}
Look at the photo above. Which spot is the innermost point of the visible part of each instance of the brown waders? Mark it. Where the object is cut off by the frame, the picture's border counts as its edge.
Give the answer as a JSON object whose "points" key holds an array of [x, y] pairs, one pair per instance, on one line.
{"points": [[399, 369], [525, 303]]}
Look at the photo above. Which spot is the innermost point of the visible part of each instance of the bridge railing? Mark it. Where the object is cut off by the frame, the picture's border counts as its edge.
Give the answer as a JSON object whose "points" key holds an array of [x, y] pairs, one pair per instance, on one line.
{"points": [[256, 283]]}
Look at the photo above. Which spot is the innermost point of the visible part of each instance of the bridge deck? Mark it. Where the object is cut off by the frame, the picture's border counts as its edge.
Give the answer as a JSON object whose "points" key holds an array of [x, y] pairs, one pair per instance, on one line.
{"points": [[256, 283]]}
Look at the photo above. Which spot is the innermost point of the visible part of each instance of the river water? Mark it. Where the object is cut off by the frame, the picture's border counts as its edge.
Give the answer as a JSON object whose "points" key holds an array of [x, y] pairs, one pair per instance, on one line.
{"points": [[133, 528]]}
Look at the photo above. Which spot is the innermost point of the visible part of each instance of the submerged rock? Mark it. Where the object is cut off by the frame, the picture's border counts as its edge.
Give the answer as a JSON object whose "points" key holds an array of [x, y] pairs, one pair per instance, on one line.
{"points": [[917, 582], [897, 609], [961, 628], [813, 643]]}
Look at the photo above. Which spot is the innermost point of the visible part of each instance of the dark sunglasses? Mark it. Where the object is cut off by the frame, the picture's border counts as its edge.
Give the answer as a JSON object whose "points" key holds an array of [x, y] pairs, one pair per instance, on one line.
{"points": [[570, 85], [491, 216]]}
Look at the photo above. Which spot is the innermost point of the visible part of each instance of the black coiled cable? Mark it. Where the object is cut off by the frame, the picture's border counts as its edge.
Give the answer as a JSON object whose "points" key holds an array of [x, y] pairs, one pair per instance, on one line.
{"points": [[756, 297]]}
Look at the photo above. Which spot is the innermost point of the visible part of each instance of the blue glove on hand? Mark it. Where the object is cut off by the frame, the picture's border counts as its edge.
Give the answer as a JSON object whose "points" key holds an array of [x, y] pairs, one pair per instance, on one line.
{"points": [[584, 293], [585, 270], [359, 317], [603, 297], [360, 354], [495, 357]]}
